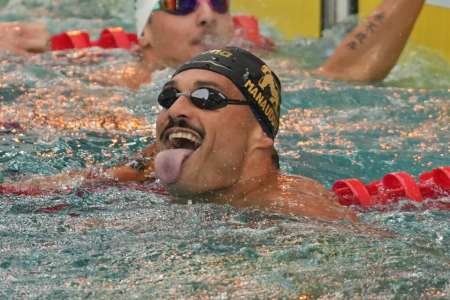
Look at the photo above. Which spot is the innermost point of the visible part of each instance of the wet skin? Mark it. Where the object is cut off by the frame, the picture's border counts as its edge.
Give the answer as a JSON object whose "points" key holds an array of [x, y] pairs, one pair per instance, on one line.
{"points": [[225, 134], [172, 40], [232, 164]]}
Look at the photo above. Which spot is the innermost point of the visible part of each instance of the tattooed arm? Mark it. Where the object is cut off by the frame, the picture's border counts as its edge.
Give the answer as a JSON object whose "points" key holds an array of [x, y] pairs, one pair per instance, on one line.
{"points": [[371, 50]]}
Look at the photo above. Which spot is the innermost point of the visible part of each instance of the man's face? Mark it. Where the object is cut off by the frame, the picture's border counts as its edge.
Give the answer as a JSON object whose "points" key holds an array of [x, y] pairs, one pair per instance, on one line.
{"points": [[176, 39], [222, 135]]}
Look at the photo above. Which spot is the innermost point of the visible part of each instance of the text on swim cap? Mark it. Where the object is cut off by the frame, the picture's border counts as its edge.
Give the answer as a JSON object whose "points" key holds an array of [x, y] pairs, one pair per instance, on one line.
{"points": [[221, 53], [263, 103]]}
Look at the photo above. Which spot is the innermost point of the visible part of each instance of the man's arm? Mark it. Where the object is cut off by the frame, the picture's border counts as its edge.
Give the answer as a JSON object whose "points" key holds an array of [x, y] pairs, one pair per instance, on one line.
{"points": [[24, 38], [372, 49], [139, 169]]}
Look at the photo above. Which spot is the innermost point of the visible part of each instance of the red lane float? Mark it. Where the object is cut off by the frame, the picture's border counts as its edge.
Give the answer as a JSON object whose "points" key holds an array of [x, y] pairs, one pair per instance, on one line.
{"points": [[11, 189], [109, 38], [393, 187], [247, 28], [70, 40], [115, 38]]}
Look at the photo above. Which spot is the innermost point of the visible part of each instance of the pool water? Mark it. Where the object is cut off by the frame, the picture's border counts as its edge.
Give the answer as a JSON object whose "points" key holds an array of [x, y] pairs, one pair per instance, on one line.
{"points": [[124, 242]]}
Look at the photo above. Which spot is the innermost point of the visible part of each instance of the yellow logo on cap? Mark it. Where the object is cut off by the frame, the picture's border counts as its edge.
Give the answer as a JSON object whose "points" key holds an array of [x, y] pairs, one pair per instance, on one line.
{"points": [[269, 81], [221, 53], [270, 107]]}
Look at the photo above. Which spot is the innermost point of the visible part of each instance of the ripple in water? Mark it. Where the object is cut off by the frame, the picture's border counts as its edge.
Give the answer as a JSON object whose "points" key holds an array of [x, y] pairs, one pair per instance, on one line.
{"points": [[124, 241]]}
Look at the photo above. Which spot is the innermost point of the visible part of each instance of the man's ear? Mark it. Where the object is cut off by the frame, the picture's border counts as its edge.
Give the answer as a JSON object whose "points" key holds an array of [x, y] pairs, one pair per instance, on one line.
{"points": [[260, 140], [145, 40]]}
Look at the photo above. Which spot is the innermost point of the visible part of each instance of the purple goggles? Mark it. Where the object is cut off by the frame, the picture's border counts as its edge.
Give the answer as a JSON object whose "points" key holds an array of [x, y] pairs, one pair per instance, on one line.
{"points": [[185, 7]]}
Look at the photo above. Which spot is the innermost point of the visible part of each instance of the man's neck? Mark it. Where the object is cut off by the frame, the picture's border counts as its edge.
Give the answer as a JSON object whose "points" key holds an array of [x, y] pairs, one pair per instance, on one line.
{"points": [[150, 61], [247, 191]]}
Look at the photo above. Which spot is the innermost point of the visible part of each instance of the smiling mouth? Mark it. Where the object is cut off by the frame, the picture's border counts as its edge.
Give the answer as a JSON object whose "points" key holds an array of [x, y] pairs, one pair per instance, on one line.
{"points": [[182, 139], [178, 144]]}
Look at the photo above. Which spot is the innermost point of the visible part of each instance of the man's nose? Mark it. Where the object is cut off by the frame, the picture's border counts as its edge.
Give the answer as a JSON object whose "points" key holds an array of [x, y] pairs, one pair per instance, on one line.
{"points": [[182, 107], [206, 16]]}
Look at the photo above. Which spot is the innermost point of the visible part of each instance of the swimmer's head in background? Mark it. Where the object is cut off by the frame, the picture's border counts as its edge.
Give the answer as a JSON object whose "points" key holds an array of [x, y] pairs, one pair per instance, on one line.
{"points": [[257, 82], [145, 8]]}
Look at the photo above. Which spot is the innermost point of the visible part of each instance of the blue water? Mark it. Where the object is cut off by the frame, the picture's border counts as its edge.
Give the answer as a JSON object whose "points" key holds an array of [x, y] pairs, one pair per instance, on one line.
{"points": [[124, 242]]}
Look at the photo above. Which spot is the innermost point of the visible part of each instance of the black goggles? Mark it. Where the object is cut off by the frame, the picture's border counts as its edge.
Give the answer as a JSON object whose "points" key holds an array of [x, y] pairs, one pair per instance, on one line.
{"points": [[203, 98], [185, 7]]}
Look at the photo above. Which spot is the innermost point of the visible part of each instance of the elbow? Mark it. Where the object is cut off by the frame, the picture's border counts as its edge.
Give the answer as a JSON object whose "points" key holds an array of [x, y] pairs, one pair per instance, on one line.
{"points": [[375, 65], [362, 72]]}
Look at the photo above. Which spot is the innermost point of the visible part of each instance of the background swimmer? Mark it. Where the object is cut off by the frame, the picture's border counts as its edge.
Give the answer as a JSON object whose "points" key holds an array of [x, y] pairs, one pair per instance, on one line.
{"points": [[171, 33]]}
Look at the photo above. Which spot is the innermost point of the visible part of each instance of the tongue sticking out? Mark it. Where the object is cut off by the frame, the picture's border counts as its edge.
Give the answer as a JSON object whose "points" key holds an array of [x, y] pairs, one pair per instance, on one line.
{"points": [[168, 164]]}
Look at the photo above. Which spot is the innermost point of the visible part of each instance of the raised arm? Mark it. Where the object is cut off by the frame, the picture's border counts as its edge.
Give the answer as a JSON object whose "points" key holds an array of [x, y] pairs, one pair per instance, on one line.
{"points": [[372, 49]]}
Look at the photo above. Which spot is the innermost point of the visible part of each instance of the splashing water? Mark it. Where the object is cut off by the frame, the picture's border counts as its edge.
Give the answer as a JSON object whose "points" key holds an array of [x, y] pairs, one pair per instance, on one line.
{"points": [[118, 242]]}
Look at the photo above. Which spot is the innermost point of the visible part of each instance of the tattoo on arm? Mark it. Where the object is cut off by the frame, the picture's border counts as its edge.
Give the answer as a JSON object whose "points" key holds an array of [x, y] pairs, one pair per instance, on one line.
{"points": [[360, 36], [370, 28]]}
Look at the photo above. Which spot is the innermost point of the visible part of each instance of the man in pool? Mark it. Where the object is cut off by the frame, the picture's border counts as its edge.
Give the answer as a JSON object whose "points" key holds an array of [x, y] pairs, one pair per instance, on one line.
{"points": [[215, 141], [173, 31]]}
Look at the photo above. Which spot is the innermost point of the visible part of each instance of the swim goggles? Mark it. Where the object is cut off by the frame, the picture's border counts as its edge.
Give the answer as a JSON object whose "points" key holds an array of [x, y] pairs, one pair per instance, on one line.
{"points": [[185, 7], [203, 98]]}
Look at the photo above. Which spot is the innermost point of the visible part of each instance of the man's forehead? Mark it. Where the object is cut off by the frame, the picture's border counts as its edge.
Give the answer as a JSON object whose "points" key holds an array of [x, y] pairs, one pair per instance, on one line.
{"points": [[198, 77]]}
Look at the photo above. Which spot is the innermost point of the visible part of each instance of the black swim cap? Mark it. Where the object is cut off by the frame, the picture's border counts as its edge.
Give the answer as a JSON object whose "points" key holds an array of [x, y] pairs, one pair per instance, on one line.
{"points": [[257, 82]]}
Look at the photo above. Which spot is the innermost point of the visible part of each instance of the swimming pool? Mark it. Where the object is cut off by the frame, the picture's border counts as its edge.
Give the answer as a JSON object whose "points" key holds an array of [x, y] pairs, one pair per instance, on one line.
{"points": [[123, 242]]}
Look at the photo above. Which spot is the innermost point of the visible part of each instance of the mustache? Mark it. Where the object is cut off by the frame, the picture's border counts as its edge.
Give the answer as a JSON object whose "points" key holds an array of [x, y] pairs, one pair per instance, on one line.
{"points": [[180, 122]]}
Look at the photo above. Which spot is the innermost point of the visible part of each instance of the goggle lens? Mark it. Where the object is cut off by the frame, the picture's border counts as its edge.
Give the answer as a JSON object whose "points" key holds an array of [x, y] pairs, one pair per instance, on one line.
{"points": [[184, 7], [203, 98], [220, 6]]}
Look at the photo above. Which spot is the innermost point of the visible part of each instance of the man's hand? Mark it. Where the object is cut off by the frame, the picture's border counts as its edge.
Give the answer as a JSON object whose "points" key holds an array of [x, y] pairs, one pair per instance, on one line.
{"points": [[24, 38]]}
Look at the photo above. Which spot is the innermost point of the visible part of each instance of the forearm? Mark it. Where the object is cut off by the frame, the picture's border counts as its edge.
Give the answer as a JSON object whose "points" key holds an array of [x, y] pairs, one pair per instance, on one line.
{"points": [[61, 183], [69, 181], [139, 169], [372, 49], [24, 38], [133, 171]]}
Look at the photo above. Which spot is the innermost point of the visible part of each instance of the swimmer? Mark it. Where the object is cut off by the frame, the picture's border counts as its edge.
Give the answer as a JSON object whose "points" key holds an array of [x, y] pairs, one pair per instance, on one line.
{"points": [[215, 142], [171, 32]]}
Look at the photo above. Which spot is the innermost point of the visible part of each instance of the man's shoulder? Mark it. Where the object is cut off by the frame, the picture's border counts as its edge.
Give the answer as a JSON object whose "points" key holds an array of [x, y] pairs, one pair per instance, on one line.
{"points": [[301, 183]]}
